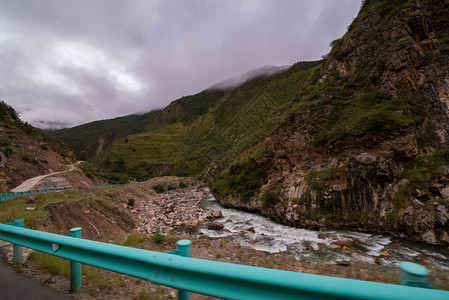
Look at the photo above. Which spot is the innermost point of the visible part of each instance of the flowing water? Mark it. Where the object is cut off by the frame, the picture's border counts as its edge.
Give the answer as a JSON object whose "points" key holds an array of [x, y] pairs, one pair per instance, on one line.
{"points": [[263, 234]]}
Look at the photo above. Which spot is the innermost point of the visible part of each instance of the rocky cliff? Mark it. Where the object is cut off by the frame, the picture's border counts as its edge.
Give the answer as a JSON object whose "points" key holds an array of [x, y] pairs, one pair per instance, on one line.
{"points": [[368, 149]]}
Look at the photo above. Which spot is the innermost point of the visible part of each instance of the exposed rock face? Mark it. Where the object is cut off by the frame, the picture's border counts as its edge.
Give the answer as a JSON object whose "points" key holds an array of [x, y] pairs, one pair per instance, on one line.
{"points": [[360, 182]]}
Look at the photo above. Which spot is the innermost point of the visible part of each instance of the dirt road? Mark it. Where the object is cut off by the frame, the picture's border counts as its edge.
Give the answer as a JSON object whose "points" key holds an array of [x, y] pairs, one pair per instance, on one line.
{"points": [[28, 184]]}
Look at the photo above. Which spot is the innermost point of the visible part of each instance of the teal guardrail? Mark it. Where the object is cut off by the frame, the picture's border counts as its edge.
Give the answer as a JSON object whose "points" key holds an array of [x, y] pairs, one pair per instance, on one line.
{"points": [[218, 279], [9, 196]]}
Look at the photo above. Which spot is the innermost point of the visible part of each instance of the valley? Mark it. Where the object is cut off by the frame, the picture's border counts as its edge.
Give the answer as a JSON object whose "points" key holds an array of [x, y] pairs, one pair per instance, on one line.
{"points": [[344, 159]]}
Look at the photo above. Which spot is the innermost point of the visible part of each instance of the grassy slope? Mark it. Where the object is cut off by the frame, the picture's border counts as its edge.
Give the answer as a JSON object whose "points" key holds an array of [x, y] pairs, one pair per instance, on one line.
{"points": [[214, 125], [83, 139]]}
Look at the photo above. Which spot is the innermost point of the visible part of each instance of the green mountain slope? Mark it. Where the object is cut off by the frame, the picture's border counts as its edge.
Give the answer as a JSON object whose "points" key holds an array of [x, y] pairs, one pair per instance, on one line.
{"points": [[89, 139]]}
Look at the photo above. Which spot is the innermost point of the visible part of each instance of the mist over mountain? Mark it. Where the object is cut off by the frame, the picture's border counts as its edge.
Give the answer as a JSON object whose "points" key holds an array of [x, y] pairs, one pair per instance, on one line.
{"points": [[239, 80]]}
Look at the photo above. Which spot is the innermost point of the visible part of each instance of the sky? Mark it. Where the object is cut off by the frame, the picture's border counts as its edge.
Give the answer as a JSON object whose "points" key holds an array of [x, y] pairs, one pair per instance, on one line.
{"points": [[65, 63]]}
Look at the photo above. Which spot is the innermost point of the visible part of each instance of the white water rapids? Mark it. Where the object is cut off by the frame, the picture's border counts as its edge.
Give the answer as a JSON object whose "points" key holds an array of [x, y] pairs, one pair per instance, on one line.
{"points": [[263, 234]]}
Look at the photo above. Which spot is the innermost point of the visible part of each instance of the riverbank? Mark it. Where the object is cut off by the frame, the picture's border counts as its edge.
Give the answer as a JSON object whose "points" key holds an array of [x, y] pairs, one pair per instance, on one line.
{"points": [[161, 219]]}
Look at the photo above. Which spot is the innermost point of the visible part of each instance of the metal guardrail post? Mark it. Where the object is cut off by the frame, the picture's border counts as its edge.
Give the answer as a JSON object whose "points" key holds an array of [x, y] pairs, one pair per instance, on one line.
{"points": [[414, 275], [17, 254], [184, 251], [75, 267]]}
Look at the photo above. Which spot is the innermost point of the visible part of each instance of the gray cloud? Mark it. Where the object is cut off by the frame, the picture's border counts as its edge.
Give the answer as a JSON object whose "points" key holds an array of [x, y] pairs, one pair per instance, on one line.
{"points": [[71, 62]]}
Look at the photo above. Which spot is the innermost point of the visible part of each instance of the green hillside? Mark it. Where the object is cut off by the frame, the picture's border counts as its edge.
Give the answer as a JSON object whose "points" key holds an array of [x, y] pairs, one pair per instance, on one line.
{"points": [[84, 139]]}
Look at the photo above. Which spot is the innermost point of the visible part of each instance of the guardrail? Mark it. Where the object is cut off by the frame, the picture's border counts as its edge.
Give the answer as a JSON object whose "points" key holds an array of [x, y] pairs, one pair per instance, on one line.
{"points": [[224, 280], [9, 196]]}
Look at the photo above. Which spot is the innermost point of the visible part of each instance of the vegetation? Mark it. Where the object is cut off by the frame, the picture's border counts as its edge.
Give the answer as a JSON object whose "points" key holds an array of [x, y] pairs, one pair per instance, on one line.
{"points": [[241, 179], [271, 197], [159, 188], [418, 176], [14, 127], [84, 139], [318, 180], [16, 208]]}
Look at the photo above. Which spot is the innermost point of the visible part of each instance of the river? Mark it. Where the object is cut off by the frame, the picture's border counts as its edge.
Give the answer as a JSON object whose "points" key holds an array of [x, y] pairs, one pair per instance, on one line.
{"points": [[263, 234]]}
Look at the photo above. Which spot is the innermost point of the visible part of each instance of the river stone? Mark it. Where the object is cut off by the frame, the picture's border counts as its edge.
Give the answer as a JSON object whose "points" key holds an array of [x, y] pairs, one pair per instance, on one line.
{"points": [[216, 213], [321, 236], [344, 242], [343, 262], [215, 226]]}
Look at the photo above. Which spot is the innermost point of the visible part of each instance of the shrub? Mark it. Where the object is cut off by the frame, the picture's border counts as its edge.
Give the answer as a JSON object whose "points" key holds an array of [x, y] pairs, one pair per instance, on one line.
{"points": [[158, 237], [131, 202], [271, 197], [159, 189]]}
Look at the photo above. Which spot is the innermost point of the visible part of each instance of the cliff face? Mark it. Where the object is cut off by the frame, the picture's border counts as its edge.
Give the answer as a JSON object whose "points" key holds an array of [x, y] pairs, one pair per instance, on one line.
{"points": [[372, 155]]}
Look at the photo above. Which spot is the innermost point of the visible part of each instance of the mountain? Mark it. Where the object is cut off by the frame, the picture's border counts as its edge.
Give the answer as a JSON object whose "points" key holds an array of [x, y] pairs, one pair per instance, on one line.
{"points": [[90, 139], [28, 151], [367, 146], [356, 140], [239, 80]]}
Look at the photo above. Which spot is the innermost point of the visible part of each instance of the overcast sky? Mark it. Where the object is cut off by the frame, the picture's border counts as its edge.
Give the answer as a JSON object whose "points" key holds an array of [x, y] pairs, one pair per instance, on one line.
{"points": [[71, 62]]}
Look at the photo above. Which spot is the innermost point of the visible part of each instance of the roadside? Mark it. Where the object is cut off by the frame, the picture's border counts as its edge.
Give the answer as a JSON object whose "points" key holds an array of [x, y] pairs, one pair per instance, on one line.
{"points": [[139, 216]]}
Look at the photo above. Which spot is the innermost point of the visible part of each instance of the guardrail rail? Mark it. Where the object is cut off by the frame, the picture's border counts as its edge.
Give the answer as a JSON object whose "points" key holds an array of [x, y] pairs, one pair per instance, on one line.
{"points": [[219, 279]]}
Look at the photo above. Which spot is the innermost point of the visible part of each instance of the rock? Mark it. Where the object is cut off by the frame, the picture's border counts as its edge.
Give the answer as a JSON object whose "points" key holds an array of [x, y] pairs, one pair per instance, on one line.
{"points": [[378, 260], [366, 158], [343, 262], [216, 213], [384, 253], [321, 245], [30, 208], [215, 226], [346, 249], [251, 229], [430, 237], [344, 242], [337, 188], [445, 193], [30, 199], [172, 295], [321, 236]]}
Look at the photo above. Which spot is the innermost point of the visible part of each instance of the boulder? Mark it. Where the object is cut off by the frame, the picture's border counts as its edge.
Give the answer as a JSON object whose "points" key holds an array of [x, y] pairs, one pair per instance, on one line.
{"points": [[344, 242], [215, 226], [216, 213]]}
